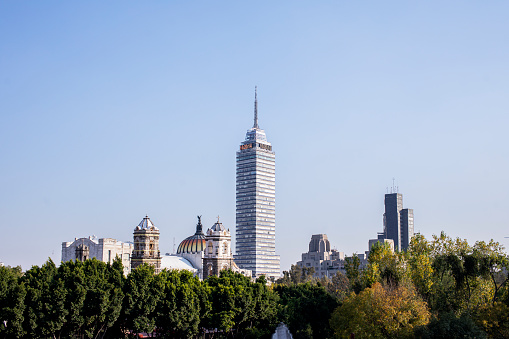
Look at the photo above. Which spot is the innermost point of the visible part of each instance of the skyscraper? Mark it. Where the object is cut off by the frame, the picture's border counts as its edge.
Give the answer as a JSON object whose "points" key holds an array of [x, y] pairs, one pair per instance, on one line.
{"points": [[398, 222], [392, 223], [256, 197], [406, 217]]}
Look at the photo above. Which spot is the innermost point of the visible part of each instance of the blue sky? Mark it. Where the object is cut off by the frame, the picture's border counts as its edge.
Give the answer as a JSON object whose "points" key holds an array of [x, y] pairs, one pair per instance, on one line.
{"points": [[110, 111]]}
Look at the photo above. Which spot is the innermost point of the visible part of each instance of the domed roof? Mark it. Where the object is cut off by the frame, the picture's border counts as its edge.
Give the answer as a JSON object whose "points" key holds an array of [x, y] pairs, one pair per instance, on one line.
{"points": [[146, 224], [173, 262], [218, 227], [194, 243]]}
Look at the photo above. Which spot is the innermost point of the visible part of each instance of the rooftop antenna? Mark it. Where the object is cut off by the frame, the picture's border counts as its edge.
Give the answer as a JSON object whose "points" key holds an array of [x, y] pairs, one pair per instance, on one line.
{"points": [[255, 125], [173, 245]]}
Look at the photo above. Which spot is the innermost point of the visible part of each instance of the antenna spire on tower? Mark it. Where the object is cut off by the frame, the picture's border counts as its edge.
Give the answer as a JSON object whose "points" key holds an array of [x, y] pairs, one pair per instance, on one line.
{"points": [[255, 125]]}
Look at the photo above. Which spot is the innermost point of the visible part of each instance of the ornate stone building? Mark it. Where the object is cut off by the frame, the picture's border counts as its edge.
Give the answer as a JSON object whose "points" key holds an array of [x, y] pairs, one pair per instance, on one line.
{"points": [[191, 248], [104, 249], [325, 261], [218, 253], [211, 252], [146, 245]]}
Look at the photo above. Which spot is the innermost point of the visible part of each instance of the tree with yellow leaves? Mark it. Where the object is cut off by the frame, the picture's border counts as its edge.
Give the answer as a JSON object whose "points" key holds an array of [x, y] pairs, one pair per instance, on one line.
{"points": [[380, 312]]}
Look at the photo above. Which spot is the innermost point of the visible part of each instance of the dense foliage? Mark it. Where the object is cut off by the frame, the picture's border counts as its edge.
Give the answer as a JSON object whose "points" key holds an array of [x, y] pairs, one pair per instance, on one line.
{"points": [[442, 288]]}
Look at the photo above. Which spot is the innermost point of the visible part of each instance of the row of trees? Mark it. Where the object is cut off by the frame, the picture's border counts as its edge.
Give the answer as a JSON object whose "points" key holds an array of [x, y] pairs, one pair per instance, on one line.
{"points": [[93, 299], [436, 289]]}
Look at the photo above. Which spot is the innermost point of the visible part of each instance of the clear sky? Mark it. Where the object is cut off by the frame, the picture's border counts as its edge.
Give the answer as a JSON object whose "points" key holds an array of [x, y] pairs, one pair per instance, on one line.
{"points": [[113, 110]]}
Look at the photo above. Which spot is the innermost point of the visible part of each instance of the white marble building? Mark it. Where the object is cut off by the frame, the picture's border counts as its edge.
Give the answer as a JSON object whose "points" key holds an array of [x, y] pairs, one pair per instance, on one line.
{"points": [[104, 249]]}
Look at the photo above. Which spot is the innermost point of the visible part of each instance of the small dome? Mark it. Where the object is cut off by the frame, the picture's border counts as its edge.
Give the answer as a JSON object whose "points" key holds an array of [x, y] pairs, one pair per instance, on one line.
{"points": [[146, 224], [194, 243], [218, 227]]}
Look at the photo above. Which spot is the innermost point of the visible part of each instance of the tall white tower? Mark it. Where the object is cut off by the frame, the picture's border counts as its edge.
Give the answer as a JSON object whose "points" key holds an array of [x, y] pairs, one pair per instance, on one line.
{"points": [[256, 198]]}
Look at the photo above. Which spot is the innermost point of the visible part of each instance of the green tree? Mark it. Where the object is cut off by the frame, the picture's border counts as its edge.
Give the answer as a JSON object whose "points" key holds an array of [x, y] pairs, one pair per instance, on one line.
{"points": [[306, 309], [492, 263], [297, 275], [420, 265], [450, 326], [93, 296], [494, 319], [142, 294], [338, 285], [12, 302], [353, 272], [239, 306], [104, 296], [178, 310], [461, 276], [384, 265], [45, 311]]}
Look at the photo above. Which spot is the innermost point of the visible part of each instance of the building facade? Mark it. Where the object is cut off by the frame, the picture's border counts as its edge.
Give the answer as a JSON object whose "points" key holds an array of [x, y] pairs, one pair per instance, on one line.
{"points": [[398, 222], [325, 261], [104, 249], [407, 226], [392, 223], [146, 245], [209, 253], [255, 204]]}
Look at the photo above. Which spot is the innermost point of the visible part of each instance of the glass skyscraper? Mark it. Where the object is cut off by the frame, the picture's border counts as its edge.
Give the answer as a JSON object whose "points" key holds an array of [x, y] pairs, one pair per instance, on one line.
{"points": [[256, 198], [398, 221]]}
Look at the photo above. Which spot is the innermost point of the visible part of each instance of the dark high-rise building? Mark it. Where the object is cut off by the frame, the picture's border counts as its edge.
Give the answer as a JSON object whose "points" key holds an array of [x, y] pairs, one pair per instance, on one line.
{"points": [[398, 222], [392, 224], [406, 226]]}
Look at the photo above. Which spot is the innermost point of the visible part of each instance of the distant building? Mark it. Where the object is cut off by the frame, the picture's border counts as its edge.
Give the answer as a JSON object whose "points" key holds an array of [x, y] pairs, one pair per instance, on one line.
{"points": [[104, 249], [218, 253], [407, 226], [255, 204], [146, 245], [1, 264], [325, 261], [398, 222], [392, 223], [382, 241], [211, 252]]}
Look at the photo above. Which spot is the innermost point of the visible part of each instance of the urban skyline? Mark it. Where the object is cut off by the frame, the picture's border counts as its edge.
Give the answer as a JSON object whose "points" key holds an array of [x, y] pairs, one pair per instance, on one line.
{"points": [[112, 111]]}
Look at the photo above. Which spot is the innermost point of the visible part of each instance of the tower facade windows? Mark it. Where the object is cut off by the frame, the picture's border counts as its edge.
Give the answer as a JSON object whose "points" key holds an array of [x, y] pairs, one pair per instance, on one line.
{"points": [[255, 204]]}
